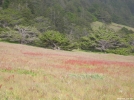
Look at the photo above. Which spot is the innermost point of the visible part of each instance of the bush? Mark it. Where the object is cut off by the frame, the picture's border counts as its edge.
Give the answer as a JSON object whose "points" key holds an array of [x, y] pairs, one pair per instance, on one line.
{"points": [[121, 51], [10, 36], [55, 40]]}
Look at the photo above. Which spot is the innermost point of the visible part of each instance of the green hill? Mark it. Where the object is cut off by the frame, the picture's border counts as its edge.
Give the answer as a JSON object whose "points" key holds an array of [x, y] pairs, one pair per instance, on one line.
{"points": [[69, 24]]}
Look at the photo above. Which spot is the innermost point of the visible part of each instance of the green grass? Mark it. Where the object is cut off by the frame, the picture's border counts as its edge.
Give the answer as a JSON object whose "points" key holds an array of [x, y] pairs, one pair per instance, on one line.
{"points": [[87, 76], [113, 26], [20, 71]]}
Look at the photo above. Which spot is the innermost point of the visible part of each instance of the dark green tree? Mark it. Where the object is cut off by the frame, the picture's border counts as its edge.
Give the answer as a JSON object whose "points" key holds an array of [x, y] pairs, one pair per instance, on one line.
{"points": [[53, 40], [5, 4], [102, 40]]}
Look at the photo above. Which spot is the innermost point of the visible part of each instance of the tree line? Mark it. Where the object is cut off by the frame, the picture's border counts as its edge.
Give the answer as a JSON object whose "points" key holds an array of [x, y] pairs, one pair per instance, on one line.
{"points": [[66, 24]]}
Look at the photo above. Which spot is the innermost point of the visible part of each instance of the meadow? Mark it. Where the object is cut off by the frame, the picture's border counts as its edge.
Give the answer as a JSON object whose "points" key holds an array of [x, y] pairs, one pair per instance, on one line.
{"points": [[113, 26], [32, 73]]}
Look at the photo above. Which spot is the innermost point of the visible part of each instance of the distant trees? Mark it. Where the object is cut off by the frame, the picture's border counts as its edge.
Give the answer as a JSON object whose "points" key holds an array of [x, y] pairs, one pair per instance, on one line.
{"points": [[105, 40], [20, 34], [86, 10], [66, 24], [101, 40]]}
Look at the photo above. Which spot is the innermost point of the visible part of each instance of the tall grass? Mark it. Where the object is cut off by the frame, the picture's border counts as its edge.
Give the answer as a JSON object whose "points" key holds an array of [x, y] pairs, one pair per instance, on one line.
{"points": [[41, 74]]}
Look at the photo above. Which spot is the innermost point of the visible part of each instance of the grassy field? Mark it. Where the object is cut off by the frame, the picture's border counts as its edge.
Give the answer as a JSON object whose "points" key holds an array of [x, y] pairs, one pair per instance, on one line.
{"points": [[113, 26], [31, 73]]}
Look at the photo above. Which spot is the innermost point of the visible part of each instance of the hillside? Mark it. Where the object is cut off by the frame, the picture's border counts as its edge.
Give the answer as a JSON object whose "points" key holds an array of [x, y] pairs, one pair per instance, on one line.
{"points": [[79, 12], [67, 24], [52, 74], [113, 26]]}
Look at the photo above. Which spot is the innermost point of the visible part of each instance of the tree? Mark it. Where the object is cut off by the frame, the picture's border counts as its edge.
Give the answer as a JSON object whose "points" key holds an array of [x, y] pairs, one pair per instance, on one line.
{"points": [[54, 40], [42, 24], [5, 4], [127, 35], [10, 35], [28, 34], [1, 1], [106, 39], [102, 40]]}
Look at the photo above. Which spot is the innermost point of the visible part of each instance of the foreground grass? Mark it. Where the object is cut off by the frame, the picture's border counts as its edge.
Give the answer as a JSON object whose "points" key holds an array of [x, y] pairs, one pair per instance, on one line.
{"points": [[29, 73], [62, 85]]}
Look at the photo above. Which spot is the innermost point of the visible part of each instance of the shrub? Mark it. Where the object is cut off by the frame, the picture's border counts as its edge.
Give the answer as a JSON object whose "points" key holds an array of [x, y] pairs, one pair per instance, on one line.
{"points": [[55, 40]]}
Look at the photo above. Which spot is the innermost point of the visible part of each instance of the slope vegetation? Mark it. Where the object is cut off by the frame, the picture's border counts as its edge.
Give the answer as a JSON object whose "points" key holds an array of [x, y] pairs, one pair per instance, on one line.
{"points": [[66, 24]]}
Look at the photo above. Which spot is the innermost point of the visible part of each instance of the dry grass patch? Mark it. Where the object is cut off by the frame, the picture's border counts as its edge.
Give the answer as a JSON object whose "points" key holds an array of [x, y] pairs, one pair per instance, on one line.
{"points": [[30, 73]]}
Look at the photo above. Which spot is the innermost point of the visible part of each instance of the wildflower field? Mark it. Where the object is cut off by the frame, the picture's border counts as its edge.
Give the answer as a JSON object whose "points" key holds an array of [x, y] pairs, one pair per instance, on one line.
{"points": [[32, 73]]}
